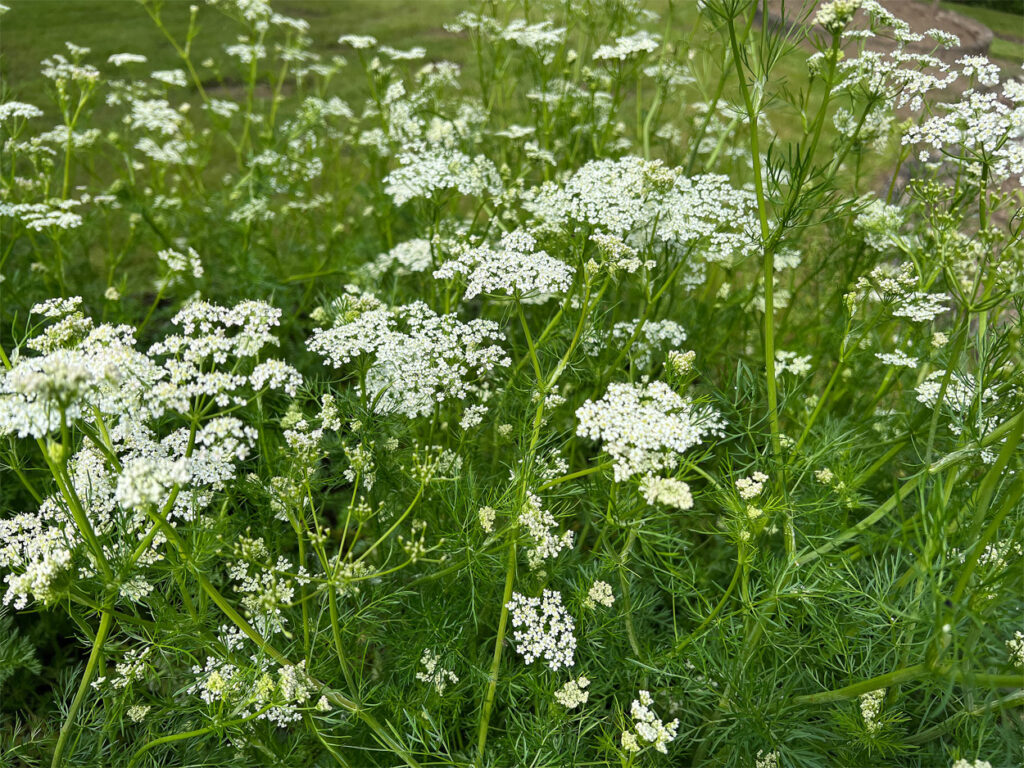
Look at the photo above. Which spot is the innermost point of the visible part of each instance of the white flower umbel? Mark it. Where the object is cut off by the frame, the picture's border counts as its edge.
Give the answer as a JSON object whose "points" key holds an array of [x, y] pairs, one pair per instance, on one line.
{"points": [[512, 268], [961, 391], [667, 491], [573, 693], [614, 196], [870, 708], [1016, 647], [178, 265], [897, 359], [538, 523], [646, 428], [420, 358], [36, 554], [640, 42], [12, 110], [600, 593], [655, 337], [82, 367], [147, 481], [433, 673], [791, 362], [544, 629], [486, 517], [648, 728], [408, 257], [750, 487], [429, 169], [979, 127]]}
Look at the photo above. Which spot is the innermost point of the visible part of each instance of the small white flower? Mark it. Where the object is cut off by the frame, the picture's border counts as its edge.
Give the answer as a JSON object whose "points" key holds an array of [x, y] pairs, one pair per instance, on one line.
{"points": [[1016, 647], [668, 491], [572, 694], [824, 476], [646, 427], [434, 673], [870, 708], [751, 487], [544, 629], [486, 517], [600, 593], [648, 727]]}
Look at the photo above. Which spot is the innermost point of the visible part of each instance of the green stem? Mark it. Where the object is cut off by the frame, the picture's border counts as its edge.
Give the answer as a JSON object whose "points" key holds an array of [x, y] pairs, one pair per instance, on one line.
{"points": [[106, 621], [192, 734], [529, 343], [716, 610], [905, 675], [855, 690], [626, 599], [1013, 700], [574, 475], [893, 501], [492, 676]]}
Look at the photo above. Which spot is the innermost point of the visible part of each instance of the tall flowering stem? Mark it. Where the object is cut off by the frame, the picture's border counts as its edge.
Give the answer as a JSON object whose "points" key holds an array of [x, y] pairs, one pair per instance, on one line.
{"points": [[106, 622], [766, 240]]}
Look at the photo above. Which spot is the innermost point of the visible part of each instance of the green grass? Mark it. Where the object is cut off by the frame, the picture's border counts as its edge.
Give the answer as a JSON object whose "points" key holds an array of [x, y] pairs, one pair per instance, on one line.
{"points": [[1007, 49], [1008, 28], [34, 29], [1003, 24]]}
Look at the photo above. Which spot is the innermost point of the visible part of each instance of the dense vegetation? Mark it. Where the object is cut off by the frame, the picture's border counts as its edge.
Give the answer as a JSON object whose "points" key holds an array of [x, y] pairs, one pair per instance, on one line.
{"points": [[642, 387]]}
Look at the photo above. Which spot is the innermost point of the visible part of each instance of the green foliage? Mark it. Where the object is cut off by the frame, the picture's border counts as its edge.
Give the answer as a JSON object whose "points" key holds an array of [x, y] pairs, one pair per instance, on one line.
{"points": [[644, 392]]}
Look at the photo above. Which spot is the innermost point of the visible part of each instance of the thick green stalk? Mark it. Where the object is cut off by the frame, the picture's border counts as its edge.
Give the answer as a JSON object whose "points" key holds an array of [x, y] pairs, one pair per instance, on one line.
{"points": [[106, 621], [716, 610], [626, 599], [768, 269], [855, 690], [893, 501], [907, 674], [492, 675], [921, 737], [192, 734]]}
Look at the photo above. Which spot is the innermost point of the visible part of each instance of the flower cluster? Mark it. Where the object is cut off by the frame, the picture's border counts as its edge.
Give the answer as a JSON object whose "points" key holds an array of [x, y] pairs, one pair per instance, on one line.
{"points": [[419, 358], [1016, 646], [646, 427], [666, 490], [652, 338], [600, 593], [984, 128], [538, 523], [751, 487], [433, 673], [430, 169], [544, 629], [871, 707], [573, 693], [628, 45], [648, 729], [513, 268]]}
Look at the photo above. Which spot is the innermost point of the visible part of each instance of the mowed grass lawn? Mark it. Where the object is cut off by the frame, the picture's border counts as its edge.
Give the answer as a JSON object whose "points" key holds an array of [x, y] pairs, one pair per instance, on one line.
{"points": [[35, 29], [1008, 45]]}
